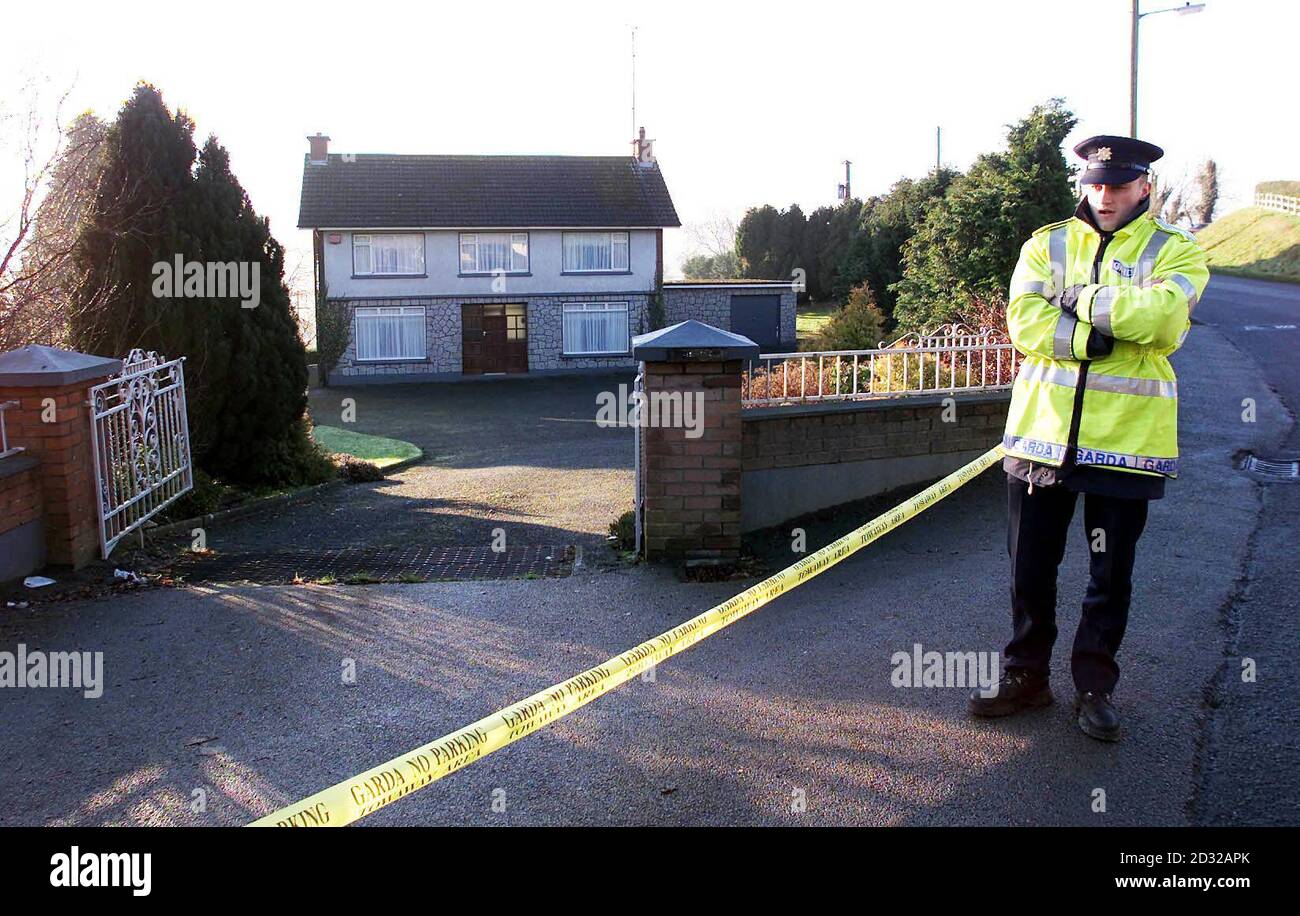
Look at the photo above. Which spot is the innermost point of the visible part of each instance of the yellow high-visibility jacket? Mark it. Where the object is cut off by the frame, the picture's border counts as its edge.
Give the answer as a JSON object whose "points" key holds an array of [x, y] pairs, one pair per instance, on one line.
{"points": [[1120, 409]]}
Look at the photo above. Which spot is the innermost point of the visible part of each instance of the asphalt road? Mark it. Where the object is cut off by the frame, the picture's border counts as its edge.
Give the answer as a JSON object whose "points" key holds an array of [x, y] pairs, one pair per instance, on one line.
{"points": [[221, 704], [1251, 766]]}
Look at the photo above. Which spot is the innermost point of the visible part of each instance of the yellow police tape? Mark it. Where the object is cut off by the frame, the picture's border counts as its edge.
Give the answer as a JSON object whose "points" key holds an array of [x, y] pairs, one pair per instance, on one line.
{"points": [[366, 792]]}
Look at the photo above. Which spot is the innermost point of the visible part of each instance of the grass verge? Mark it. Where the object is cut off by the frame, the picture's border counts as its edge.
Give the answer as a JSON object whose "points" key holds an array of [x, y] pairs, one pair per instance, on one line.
{"points": [[376, 449], [812, 317], [1254, 242]]}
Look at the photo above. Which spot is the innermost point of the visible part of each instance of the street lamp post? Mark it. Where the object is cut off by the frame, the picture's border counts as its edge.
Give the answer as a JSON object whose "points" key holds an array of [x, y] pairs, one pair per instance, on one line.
{"points": [[1183, 10]]}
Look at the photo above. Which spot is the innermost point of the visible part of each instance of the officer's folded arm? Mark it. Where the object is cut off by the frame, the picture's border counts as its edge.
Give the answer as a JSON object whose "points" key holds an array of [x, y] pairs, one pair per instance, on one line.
{"points": [[1036, 325], [1153, 315]]}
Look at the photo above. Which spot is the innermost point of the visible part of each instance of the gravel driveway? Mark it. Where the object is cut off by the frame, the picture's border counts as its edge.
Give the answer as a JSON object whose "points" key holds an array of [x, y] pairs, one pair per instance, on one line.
{"points": [[521, 454]]}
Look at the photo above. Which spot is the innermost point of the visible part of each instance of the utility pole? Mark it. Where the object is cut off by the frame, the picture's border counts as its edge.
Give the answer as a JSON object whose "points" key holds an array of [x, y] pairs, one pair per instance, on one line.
{"points": [[1183, 10], [938, 148], [635, 79], [1133, 75]]}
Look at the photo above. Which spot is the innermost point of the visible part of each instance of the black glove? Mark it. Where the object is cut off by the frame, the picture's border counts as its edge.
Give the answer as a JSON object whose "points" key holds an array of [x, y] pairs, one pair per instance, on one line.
{"points": [[1099, 344], [1070, 298]]}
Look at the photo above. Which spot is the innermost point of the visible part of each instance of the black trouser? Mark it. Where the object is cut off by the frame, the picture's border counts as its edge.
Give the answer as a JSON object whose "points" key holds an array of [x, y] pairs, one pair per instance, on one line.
{"points": [[1036, 532]]}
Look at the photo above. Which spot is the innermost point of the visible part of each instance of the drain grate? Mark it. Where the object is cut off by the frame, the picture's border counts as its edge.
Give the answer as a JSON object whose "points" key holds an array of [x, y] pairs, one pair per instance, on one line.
{"points": [[1273, 469]]}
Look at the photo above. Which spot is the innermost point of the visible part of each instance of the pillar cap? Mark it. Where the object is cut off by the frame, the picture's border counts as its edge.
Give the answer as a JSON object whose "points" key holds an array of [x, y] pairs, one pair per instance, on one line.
{"points": [[36, 366], [692, 341]]}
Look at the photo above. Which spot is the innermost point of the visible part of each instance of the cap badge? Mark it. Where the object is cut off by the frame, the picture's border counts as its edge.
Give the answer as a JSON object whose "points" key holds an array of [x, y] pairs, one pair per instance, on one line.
{"points": [[1103, 154]]}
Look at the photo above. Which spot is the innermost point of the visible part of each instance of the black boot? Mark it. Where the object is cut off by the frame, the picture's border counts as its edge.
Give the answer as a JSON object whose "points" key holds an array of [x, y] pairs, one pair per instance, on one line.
{"points": [[1017, 690], [1097, 717]]}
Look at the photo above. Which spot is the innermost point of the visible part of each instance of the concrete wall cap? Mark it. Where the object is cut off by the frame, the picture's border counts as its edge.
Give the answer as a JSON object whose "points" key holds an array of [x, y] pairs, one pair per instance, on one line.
{"points": [[17, 463], [658, 346], [765, 412], [37, 365]]}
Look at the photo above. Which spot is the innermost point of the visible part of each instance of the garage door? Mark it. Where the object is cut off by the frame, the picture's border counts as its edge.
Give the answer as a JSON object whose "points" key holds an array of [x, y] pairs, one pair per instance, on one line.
{"points": [[759, 319]]}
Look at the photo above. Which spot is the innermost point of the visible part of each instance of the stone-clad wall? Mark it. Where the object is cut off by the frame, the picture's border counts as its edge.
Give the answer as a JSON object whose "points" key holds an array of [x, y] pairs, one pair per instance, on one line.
{"points": [[712, 305], [545, 342], [443, 337], [441, 341]]}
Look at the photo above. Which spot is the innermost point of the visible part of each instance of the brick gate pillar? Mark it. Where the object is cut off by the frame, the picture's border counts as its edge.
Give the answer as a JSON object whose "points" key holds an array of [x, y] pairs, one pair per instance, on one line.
{"points": [[51, 422], [691, 442]]}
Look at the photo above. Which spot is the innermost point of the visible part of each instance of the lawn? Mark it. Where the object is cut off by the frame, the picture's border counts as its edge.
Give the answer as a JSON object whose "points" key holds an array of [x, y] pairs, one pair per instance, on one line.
{"points": [[812, 316], [376, 449], [1254, 242]]}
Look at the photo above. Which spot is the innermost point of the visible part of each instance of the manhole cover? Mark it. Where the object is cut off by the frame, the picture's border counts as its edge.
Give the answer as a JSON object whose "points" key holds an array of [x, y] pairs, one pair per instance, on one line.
{"points": [[1284, 470]]}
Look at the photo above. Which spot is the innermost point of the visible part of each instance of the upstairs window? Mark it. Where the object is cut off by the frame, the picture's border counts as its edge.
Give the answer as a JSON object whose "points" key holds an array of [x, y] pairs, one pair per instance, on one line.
{"points": [[489, 252], [588, 252], [388, 254]]}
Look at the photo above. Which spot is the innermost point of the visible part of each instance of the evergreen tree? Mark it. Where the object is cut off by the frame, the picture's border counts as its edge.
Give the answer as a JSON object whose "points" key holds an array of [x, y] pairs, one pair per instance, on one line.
{"points": [[816, 238], [860, 325], [259, 432], [134, 223], [711, 266], [875, 255], [969, 241], [245, 370], [755, 238]]}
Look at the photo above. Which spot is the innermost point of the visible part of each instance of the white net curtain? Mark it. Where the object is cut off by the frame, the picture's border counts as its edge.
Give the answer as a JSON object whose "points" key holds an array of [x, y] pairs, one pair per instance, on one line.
{"points": [[596, 327], [388, 254], [491, 252], [390, 333], [595, 251]]}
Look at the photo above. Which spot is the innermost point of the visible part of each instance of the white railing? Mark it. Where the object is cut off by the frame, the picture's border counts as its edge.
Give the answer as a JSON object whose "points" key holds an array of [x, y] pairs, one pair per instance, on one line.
{"points": [[948, 360], [5, 450], [140, 437], [1280, 202]]}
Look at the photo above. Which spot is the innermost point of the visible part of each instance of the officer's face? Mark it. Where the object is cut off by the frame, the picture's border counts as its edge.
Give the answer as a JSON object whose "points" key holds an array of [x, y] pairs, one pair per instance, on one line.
{"points": [[1112, 202]]}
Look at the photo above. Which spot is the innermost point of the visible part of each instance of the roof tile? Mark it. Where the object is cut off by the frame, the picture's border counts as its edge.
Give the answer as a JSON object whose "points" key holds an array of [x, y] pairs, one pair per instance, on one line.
{"points": [[376, 191]]}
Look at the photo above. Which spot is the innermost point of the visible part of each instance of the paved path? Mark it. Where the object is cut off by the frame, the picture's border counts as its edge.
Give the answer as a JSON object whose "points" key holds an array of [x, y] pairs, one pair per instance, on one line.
{"points": [[237, 691]]}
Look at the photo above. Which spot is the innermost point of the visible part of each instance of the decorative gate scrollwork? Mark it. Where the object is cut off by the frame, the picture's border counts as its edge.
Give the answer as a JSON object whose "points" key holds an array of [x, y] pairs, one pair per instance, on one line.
{"points": [[140, 437]]}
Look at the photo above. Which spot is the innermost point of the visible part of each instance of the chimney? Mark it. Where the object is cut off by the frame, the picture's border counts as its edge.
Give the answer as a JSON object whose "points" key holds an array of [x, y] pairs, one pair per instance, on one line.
{"points": [[643, 150], [320, 145]]}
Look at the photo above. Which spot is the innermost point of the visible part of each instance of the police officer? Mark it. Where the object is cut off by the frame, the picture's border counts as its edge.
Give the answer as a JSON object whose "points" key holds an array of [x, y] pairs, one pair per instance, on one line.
{"points": [[1097, 304]]}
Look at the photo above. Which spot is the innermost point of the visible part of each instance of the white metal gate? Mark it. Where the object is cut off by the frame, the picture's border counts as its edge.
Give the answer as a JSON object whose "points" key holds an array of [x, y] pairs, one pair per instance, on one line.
{"points": [[141, 443]]}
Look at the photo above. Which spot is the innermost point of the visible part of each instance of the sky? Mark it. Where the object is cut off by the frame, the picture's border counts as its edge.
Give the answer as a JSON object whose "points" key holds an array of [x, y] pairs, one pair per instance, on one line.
{"points": [[748, 103]]}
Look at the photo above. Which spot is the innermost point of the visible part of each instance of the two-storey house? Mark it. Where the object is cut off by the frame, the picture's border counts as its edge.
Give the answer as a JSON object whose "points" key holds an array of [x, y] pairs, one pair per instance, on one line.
{"points": [[442, 267], [472, 265]]}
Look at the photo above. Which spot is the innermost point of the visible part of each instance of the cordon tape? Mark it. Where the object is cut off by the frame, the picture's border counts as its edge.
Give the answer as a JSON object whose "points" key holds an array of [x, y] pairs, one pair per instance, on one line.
{"points": [[354, 798]]}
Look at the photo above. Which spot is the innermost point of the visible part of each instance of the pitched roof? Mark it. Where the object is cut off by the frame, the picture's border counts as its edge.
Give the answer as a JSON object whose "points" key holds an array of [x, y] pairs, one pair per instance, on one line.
{"points": [[378, 191]]}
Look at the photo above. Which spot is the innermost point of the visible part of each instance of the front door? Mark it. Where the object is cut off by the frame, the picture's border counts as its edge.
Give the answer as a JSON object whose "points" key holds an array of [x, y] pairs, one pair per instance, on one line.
{"points": [[494, 338]]}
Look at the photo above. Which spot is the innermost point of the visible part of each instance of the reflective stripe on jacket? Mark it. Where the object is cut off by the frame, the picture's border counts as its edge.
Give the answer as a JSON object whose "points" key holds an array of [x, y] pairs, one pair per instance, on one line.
{"points": [[1121, 407]]}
